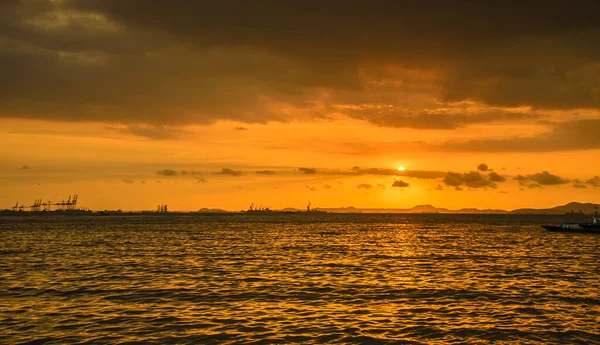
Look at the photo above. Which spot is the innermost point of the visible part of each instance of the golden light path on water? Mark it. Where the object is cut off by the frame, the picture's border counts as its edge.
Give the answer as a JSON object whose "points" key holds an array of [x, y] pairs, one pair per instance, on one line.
{"points": [[320, 278]]}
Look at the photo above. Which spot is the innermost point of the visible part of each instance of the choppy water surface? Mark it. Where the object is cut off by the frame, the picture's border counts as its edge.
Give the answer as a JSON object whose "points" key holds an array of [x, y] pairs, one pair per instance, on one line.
{"points": [[296, 279]]}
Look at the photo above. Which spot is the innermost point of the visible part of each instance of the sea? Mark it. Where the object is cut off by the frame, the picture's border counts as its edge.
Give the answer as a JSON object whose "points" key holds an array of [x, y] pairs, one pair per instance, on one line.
{"points": [[296, 279]]}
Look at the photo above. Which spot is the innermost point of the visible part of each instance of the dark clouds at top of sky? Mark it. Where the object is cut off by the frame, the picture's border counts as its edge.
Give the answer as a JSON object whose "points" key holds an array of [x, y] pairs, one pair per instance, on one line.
{"points": [[292, 26], [163, 62]]}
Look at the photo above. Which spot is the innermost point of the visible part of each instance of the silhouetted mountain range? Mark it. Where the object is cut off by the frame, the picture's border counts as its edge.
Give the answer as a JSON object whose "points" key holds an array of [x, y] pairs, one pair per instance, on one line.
{"points": [[573, 207]]}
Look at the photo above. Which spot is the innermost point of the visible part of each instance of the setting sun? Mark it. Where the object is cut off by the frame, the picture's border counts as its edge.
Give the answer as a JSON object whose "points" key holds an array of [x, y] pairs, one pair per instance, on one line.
{"points": [[401, 169]]}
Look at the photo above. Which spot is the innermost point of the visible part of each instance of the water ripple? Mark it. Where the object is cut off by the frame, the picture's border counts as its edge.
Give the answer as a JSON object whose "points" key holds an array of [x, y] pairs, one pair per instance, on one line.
{"points": [[235, 279]]}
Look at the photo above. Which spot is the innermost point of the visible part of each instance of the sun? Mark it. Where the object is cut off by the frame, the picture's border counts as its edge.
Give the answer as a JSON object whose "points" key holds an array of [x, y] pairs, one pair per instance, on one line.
{"points": [[400, 168]]}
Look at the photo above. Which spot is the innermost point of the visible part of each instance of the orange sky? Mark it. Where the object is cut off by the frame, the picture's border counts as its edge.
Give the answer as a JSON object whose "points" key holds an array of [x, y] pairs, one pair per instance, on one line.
{"points": [[279, 104]]}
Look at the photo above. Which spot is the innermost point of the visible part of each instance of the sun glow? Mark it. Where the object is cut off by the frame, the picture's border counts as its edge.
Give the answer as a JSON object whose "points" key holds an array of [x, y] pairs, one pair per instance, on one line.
{"points": [[401, 169]]}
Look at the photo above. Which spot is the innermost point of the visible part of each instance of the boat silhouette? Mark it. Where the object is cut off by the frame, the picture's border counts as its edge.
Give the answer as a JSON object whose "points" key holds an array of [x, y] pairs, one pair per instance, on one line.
{"points": [[593, 227]]}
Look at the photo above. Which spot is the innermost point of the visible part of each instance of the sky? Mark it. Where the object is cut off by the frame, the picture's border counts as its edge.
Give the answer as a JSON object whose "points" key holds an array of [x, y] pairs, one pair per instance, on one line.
{"points": [[220, 104]]}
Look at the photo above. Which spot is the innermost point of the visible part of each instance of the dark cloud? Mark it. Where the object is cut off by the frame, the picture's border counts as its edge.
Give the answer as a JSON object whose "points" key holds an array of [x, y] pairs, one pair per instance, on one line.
{"points": [[309, 171], [439, 187], [471, 179], [453, 179], [495, 177], [167, 172], [127, 180], [400, 183], [540, 179], [171, 172], [564, 136], [238, 128], [520, 178], [228, 171], [327, 186], [579, 185], [311, 188], [200, 179], [458, 188], [364, 186], [265, 172], [179, 62], [594, 181], [266, 21], [547, 179], [482, 167], [25, 167]]}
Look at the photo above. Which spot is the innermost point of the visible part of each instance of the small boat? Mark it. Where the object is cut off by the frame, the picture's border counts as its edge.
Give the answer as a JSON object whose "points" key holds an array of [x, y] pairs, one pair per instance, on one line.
{"points": [[593, 227]]}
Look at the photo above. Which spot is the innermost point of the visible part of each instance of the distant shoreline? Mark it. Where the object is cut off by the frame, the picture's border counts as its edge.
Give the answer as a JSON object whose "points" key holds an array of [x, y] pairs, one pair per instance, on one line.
{"points": [[266, 214], [573, 209]]}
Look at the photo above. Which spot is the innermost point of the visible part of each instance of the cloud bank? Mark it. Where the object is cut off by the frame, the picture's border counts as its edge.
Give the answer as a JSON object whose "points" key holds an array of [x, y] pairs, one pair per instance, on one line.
{"points": [[152, 65]]}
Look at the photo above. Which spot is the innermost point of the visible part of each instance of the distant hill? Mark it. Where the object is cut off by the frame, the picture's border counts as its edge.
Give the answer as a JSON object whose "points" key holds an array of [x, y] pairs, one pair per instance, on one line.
{"points": [[587, 208], [211, 210], [475, 211], [291, 209], [416, 209], [350, 209], [572, 207], [424, 209]]}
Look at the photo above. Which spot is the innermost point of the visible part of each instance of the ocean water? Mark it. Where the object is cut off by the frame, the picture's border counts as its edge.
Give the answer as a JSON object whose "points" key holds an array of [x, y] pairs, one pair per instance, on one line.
{"points": [[281, 279]]}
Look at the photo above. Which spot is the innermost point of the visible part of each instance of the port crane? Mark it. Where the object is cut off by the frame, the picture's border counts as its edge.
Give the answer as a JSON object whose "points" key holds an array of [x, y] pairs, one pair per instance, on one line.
{"points": [[40, 205]]}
